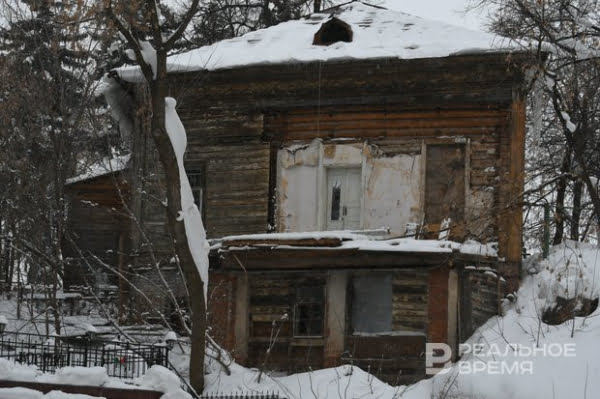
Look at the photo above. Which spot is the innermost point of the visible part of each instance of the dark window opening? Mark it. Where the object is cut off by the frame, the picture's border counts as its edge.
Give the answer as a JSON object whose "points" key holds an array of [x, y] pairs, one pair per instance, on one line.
{"points": [[333, 31], [308, 312], [197, 183], [336, 193]]}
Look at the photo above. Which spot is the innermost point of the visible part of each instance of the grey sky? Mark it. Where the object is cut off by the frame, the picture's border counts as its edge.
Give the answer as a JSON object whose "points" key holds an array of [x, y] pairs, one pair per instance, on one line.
{"points": [[449, 11]]}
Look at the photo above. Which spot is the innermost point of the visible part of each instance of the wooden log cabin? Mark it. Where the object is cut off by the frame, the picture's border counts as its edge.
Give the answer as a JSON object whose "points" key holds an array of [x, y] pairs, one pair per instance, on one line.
{"points": [[369, 129]]}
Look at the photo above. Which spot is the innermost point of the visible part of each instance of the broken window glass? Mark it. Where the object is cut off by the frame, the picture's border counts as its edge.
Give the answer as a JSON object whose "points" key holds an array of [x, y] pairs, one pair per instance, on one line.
{"points": [[196, 178], [336, 197], [308, 312]]}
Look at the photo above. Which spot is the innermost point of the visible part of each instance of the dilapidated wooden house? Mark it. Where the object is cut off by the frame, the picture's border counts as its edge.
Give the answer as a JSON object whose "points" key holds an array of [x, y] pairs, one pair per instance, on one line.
{"points": [[360, 172]]}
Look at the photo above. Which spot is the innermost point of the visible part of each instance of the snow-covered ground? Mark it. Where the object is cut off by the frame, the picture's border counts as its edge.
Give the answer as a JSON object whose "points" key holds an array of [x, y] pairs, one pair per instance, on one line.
{"points": [[512, 356], [157, 378]]}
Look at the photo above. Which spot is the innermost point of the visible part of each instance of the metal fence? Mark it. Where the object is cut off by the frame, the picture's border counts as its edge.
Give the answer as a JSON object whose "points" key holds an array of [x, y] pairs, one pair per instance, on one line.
{"points": [[121, 359], [253, 395]]}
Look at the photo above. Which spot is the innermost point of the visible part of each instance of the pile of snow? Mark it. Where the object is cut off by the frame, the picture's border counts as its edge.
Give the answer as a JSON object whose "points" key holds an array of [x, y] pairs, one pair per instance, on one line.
{"points": [[572, 270], [346, 381], [517, 355], [157, 378], [376, 33], [25, 393], [93, 376]]}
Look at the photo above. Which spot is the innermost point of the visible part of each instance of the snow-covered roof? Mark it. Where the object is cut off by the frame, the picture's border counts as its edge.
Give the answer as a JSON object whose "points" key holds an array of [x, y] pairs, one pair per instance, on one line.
{"points": [[376, 33], [101, 168]]}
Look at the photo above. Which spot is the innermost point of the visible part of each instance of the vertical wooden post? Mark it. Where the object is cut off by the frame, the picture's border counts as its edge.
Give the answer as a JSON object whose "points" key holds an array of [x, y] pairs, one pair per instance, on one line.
{"points": [[335, 317], [510, 215], [437, 305], [241, 318]]}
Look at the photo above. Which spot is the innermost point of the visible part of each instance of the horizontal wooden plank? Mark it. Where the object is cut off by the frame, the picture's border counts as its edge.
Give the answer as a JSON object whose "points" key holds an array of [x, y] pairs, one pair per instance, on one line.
{"points": [[291, 126], [281, 259], [298, 242], [353, 113], [380, 132]]}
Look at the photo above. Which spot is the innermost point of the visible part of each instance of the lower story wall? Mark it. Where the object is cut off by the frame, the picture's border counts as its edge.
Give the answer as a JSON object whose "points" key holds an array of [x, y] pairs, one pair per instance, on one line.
{"points": [[379, 320]]}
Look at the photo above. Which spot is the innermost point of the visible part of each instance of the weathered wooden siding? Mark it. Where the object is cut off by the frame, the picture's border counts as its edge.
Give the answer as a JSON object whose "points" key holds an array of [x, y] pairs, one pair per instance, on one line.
{"points": [[480, 294], [485, 290], [410, 298], [463, 81], [236, 162], [96, 224], [381, 121], [397, 360]]}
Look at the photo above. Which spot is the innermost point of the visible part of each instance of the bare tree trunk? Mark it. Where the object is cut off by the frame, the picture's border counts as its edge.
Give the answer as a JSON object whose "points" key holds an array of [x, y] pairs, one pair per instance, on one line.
{"points": [[576, 214], [168, 159], [561, 188], [317, 6], [157, 84]]}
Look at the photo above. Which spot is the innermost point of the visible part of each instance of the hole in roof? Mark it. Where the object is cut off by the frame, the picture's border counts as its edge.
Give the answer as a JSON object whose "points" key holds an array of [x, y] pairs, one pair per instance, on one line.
{"points": [[333, 31]]}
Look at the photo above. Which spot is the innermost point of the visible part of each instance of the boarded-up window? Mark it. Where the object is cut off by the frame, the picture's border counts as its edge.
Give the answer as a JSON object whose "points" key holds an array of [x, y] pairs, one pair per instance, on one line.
{"points": [[445, 183], [308, 312], [372, 304]]}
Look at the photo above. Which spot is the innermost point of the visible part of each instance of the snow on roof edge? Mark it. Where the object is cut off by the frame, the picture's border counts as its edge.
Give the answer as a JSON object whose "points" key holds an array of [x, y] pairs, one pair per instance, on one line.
{"points": [[102, 168]]}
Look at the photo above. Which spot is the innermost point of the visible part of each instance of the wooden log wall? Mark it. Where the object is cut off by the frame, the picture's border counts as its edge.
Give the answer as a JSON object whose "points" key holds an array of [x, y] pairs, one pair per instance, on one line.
{"points": [[466, 81], [409, 300], [397, 360], [485, 297], [96, 224], [236, 163]]}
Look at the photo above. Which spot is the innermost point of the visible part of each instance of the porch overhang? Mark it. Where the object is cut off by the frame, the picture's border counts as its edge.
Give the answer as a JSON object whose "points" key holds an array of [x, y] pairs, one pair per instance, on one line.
{"points": [[284, 252]]}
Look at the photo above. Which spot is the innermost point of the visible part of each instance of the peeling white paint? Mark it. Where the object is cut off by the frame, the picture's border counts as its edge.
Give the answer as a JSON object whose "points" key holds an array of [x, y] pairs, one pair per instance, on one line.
{"points": [[392, 192], [390, 186], [340, 155]]}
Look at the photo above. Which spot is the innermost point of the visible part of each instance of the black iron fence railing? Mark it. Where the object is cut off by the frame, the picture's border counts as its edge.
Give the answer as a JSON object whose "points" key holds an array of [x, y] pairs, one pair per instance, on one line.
{"points": [[244, 395], [120, 359]]}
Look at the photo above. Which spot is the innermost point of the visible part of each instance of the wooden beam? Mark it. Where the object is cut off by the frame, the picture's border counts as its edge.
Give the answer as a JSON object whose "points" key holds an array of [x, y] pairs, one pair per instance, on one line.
{"points": [[326, 258]]}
